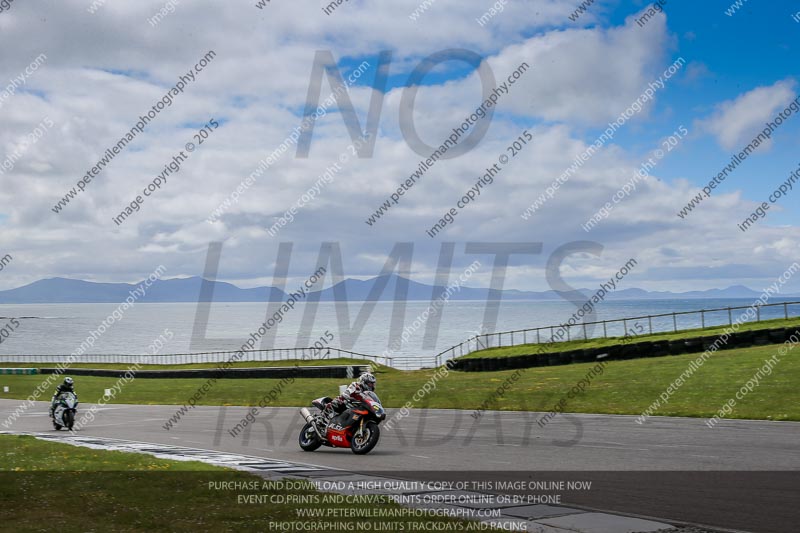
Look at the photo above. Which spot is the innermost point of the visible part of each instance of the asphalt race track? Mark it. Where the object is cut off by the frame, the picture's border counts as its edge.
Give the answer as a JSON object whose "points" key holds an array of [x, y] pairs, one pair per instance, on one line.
{"points": [[740, 475]]}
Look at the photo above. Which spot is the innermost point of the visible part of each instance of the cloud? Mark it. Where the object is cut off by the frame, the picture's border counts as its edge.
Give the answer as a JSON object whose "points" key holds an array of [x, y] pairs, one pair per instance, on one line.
{"points": [[257, 85], [735, 121]]}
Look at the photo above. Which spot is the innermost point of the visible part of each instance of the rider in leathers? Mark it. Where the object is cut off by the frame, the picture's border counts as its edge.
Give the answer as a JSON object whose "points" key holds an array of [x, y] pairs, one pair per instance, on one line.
{"points": [[366, 382], [67, 386]]}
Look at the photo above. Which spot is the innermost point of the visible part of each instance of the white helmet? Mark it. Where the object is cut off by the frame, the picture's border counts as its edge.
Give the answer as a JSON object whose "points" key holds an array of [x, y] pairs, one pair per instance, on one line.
{"points": [[367, 381]]}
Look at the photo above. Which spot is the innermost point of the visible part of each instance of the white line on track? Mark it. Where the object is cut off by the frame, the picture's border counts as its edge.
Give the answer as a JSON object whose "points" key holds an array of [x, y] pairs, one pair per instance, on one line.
{"points": [[123, 423], [611, 447]]}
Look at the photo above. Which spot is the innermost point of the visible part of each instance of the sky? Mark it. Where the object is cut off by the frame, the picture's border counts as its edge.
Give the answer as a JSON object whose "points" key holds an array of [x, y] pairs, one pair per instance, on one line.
{"points": [[102, 65]]}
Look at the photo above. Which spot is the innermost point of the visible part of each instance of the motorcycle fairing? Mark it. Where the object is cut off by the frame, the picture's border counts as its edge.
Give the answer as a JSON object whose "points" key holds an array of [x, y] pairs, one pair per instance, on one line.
{"points": [[348, 418], [338, 436]]}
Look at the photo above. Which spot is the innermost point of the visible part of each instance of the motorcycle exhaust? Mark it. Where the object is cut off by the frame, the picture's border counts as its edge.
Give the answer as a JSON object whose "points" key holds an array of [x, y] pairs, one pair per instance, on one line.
{"points": [[306, 414], [309, 418]]}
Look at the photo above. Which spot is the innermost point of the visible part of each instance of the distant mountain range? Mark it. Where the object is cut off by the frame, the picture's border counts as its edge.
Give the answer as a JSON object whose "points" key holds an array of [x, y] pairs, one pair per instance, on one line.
{"points": [[63, 290]]}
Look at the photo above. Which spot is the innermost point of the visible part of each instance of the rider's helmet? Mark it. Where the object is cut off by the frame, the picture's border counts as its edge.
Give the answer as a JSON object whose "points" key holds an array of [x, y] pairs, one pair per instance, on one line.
{"points": [[68, 381], [367, 381]]}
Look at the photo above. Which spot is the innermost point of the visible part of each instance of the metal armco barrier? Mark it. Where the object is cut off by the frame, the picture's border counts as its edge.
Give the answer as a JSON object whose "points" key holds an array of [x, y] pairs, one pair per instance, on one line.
{"points": [[18, 371]]}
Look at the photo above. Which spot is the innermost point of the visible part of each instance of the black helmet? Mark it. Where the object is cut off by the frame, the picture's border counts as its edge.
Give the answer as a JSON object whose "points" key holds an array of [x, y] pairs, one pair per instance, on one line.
{"points": [[367, 381]]}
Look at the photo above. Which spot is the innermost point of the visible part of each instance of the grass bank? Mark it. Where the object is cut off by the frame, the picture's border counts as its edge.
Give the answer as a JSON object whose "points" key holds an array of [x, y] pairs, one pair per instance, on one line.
{"points": [[46, 485], [625, 387], [532, 348]]}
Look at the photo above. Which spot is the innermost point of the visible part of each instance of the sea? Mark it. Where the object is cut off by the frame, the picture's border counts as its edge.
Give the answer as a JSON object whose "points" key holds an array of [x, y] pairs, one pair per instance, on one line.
{"points": [[364, 327]]}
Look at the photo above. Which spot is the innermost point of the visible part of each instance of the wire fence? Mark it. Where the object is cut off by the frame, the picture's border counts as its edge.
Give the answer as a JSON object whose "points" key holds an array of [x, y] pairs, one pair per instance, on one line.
{"points": [[278, 354], [632, 326]]}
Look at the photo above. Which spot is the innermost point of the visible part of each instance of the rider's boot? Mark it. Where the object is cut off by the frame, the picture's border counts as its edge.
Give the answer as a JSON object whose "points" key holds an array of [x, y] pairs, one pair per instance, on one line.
{"points": [[325, 420]]}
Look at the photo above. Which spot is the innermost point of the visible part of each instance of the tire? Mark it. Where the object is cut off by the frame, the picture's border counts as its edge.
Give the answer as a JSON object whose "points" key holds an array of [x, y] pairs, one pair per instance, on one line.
{"points": [[309, 440], [56, 426], [69, 419], [371, 440]]}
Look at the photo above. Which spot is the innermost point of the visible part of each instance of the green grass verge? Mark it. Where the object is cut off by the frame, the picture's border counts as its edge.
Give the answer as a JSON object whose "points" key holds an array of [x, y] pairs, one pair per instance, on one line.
{"points": [[532, 348], [625, 387], [46, 485]]}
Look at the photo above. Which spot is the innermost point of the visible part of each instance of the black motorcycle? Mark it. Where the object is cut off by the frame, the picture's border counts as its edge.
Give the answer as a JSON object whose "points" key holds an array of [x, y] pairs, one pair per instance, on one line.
{"points": [[356, 428]]}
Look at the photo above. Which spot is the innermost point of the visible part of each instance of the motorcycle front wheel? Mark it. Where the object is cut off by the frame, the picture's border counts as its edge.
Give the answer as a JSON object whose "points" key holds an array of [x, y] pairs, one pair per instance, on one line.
{"points": [[309, 440], [369, 438], [69, 419]]}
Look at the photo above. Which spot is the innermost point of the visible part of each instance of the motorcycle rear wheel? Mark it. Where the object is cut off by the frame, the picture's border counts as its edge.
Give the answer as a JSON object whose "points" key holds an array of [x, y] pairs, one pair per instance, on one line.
{"points": [[363, 445], [309, 440]]}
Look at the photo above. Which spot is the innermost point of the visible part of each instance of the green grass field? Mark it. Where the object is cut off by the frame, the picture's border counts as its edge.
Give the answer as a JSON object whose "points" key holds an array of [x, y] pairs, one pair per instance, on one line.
{"points": [[526, 349], [625, 387], [50, 486]]}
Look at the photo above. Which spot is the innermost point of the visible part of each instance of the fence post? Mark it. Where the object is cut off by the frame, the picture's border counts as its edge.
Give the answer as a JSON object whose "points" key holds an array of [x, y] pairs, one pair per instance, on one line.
{"points": [[785, 310], [605, 330], [759, 313], [584, 332], [650, 321], [674, 322], [703, 318], [538, 341], [730, 317], [624, 327], [568, 335]]}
